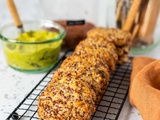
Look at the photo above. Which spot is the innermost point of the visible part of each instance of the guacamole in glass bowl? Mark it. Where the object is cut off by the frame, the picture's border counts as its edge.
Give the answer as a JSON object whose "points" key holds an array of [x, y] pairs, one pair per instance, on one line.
{"points": [[35, 50]]}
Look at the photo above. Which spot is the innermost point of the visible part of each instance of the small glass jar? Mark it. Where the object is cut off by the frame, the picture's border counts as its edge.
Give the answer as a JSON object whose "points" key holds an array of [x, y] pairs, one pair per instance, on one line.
{"points": [[141, 18], [37, 56]]}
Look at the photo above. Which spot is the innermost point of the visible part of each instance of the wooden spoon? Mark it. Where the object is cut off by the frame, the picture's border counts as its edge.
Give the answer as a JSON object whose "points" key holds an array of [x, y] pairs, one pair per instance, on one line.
{"points": [[15, 15]]}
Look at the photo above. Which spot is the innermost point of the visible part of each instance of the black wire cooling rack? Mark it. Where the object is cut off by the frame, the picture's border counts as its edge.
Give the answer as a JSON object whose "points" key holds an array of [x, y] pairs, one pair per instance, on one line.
{"points": [[109, 107]]}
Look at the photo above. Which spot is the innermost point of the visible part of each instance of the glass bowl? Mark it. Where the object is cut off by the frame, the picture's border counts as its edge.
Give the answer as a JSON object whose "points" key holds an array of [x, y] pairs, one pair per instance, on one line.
{"points": [[32, 56]]}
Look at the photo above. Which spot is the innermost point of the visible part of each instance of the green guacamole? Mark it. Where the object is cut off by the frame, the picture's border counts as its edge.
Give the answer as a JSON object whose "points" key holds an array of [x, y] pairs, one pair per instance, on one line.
{"points": [[33, 56]]}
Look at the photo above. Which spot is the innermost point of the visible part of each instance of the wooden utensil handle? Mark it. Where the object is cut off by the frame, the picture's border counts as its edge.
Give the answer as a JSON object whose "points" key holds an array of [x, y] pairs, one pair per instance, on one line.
{"points": [[149, 23], [131, 15], [14, 13]]}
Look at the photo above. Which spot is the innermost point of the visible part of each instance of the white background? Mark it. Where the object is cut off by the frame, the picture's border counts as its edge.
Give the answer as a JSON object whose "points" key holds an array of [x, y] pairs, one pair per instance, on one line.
{"points": [[95, 11]]}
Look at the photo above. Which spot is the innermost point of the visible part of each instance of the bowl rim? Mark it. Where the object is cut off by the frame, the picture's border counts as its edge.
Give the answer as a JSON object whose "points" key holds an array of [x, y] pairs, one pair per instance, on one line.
{"points": [[61, 35]]}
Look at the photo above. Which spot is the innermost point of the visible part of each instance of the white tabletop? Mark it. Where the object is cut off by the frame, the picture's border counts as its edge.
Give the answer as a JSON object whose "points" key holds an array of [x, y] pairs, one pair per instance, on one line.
{"points": [[15, 85]]}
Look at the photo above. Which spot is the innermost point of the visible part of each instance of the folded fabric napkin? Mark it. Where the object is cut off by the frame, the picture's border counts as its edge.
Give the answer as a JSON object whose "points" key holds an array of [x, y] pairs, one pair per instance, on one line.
{"points": [[144, 92]]}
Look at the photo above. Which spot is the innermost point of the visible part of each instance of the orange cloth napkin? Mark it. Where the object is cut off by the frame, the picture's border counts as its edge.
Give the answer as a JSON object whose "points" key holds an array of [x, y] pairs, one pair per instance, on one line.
{"points": [[144, 92]]}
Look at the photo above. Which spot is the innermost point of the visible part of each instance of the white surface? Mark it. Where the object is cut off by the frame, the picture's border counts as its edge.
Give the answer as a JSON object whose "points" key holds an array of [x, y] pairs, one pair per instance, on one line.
{"points": [[14, 85], [55, 9]]}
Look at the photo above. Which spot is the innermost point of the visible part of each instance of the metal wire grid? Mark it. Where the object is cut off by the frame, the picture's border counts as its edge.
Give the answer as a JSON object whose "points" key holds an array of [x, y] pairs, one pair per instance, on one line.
{"points": [[113, 100], [109, 107]]}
